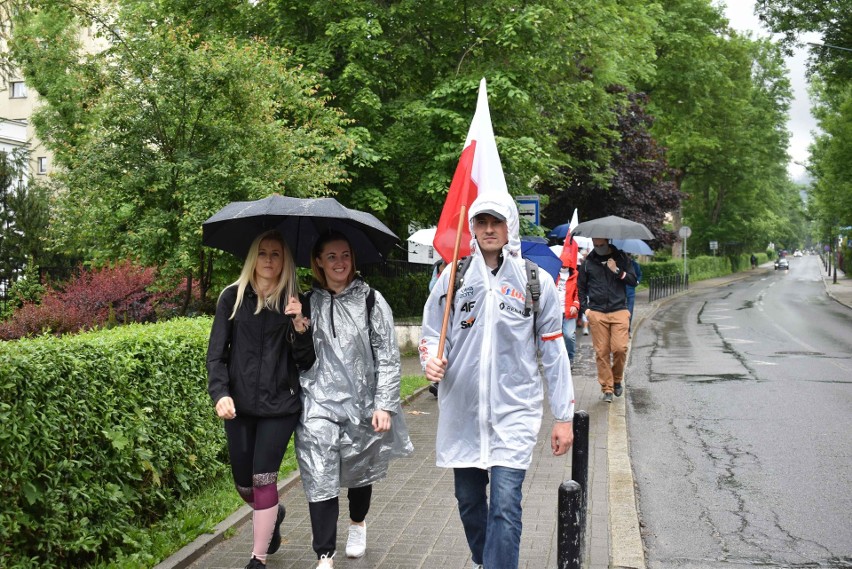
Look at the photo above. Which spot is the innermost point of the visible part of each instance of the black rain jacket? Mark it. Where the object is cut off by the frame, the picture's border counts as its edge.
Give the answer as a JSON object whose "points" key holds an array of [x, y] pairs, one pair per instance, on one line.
{"points": [[599, 288], [256, 358]]}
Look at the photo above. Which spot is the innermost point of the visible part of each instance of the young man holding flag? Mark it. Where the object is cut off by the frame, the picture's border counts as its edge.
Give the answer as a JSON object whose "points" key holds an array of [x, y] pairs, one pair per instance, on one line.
{"points": [[491, 395], [481, 344]]}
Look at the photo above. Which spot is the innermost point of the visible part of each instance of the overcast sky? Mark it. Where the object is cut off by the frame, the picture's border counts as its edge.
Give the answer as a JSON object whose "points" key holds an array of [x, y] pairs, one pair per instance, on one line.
{"points": [[800, 123]]}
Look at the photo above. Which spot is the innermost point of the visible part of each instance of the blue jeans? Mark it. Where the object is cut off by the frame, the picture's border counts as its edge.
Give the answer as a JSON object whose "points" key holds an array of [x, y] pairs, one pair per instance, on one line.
{"points": [[493, 530], [631, 302], [569, 334]]}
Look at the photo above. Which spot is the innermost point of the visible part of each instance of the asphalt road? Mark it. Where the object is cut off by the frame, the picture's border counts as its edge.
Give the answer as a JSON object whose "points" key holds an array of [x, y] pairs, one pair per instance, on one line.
{"points": [[739, 404]]}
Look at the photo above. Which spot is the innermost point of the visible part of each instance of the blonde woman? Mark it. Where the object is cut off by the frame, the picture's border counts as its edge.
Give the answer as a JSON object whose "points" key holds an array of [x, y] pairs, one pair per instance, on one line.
{"points": [[351, 423], [259, 343]]}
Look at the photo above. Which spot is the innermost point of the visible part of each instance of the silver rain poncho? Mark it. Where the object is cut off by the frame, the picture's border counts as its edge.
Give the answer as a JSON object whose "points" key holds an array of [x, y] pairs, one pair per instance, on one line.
{"points": [[491, 397], [356, 372]]}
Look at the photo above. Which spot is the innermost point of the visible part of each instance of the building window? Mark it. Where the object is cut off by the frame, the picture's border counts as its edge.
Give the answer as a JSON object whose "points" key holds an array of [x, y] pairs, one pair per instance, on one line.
{"points": [[41, 166], [17, 90]]}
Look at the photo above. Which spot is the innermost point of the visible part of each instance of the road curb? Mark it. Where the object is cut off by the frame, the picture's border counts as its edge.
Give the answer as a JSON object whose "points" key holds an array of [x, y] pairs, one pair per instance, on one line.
{"points": [[626, 548], [830, 293]]}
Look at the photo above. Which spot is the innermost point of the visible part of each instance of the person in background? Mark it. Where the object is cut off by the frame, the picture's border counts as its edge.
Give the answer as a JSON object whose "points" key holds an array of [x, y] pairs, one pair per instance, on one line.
{"points": [[631, 291], [492, 393], [582, 320], [352, 423], [259, 343], [569, 301], [753, 261], [602, 283], [437, 269]]}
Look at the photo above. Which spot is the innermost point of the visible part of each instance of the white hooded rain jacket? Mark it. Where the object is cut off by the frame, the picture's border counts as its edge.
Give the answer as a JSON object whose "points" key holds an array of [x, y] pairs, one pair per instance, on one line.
{"points": [[491, 397]]}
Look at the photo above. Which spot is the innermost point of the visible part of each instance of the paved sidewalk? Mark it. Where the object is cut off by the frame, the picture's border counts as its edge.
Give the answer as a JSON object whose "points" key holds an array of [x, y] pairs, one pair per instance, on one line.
{"points": [[414, 523], [841, 291]]}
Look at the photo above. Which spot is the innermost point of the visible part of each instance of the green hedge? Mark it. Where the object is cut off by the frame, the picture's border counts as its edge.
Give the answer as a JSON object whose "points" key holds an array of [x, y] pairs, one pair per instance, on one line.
{"points": [[102, 433], [660, 269], [704, 267], [700, 268]]}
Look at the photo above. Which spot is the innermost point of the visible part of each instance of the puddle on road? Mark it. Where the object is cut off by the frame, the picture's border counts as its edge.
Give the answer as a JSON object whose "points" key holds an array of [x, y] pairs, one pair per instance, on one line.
{"points": [[808, 354], [640, 398], [703, 378]]}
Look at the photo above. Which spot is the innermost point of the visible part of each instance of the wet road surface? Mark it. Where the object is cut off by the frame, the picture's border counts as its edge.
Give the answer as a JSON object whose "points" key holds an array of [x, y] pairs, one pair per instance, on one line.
{"points": [[739, 405]]}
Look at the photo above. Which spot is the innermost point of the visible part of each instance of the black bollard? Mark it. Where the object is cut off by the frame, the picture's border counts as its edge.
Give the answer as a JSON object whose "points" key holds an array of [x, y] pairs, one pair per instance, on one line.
{"points": [[573, 496], [580, 454], [569, 546]]}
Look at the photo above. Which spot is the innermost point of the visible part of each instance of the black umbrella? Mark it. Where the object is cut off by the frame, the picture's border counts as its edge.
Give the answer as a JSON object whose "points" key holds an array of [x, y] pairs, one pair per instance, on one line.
{"points": [[612, 227], [301, 222]]}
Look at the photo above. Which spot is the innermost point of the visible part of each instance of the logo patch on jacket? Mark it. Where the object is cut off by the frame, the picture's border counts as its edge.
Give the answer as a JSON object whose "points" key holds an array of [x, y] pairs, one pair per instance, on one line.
{"points": [[465, 292], [510, 308], [506, 290]]}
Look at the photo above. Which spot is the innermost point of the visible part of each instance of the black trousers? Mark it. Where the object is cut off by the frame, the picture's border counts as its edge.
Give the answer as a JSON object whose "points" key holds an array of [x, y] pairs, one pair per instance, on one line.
{"points": [[324, 517], [256, 447]]}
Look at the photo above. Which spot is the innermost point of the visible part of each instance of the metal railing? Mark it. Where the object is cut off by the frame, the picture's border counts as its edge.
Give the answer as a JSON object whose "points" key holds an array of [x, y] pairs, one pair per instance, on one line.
{"points": [[661, 287]]}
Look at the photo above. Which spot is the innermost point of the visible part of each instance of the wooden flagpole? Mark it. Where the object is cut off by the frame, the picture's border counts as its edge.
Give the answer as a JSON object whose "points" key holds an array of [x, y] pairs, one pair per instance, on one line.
{"points": [[452, 283]]}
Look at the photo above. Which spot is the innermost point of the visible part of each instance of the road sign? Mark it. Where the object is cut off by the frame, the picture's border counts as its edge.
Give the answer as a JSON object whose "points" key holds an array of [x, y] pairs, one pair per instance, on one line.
{"points": [[685, 231], [528, 208], [714, 245]]}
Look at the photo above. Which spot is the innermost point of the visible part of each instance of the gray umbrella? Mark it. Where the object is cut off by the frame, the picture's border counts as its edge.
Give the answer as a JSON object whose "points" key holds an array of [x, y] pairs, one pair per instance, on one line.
{"points": [[301, 222], [612, 227]]}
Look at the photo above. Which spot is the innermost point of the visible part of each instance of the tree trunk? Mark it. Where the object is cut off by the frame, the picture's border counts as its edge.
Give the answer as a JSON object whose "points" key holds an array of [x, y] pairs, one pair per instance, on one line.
{"points": [[188, 296]]}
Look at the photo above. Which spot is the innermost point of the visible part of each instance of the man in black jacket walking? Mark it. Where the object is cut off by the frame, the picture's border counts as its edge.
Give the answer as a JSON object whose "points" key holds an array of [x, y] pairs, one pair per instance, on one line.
{"points": [[601, 283]]}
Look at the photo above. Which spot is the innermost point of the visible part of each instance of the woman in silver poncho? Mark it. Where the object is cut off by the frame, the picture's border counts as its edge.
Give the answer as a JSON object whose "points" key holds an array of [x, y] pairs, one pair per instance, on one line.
{"points": [[351, 421]]}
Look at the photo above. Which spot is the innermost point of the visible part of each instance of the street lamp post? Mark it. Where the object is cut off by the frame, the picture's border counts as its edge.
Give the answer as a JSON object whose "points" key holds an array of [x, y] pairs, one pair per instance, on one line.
{"points": [[685, 231]]}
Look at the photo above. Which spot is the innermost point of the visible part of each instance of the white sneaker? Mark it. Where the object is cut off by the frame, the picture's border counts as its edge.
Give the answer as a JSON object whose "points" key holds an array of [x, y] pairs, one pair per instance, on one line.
{"points": [[356, 545], [326, 561], [477, 566], [586, 331]]}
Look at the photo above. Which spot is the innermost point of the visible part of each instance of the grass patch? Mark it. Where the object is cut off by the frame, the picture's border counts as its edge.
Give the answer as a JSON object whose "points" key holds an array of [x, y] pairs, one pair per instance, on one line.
{"points": [[410, 384], [195, 516], [201, 513]]}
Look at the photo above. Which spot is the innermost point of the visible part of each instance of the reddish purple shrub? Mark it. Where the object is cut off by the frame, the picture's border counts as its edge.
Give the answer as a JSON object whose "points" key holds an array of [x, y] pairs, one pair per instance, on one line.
{"points": [[119, 294]]}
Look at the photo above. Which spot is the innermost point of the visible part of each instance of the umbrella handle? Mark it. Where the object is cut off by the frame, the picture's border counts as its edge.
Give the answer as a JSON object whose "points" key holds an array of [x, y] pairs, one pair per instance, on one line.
{"points": [[452, 284]]}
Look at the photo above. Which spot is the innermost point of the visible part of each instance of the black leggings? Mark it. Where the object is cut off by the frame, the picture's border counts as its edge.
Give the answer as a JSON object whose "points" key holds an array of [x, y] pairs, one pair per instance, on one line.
{"points": [[256, 446], [324, 517]]}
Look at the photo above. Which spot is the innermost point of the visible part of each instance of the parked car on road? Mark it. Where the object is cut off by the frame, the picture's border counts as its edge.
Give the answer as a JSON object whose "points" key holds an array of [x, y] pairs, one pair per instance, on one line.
{"points": [[782, 263]]}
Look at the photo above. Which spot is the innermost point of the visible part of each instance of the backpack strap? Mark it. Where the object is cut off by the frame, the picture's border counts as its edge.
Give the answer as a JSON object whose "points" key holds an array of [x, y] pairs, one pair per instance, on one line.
{"points": [[306, 304], [461, 268], [371, 302], [533, 289], [464, 265]]}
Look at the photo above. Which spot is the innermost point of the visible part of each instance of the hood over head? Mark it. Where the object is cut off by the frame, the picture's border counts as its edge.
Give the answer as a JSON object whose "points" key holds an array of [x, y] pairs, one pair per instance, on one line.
{"points": [[501, 206]]}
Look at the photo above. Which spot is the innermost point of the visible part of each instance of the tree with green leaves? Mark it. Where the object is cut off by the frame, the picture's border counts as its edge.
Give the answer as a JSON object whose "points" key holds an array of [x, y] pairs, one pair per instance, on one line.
{"points": [[23, 219], [831, 156], [830, 196], [641, 186], [407, 73], [160, 128], [721, 101]]}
